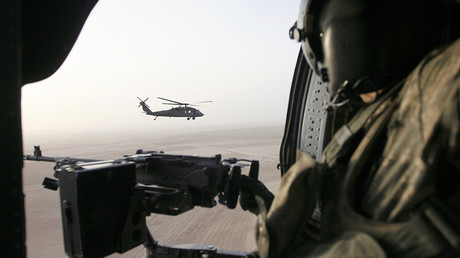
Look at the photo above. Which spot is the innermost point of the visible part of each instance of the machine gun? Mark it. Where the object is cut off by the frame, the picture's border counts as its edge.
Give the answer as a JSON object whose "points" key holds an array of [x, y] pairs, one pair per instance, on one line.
{"points": [[104, 202]]}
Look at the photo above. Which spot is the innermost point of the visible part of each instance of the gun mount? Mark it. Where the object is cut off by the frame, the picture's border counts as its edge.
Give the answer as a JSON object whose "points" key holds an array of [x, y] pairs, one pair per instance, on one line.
{"points": [[104, 202]]}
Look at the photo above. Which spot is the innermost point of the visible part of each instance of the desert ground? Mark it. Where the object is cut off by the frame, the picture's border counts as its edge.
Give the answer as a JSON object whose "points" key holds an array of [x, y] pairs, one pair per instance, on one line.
{"points": [[217, 226]]}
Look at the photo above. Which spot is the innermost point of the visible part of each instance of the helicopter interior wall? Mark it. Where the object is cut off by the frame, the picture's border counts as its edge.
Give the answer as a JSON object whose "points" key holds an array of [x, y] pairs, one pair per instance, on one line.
{"points": [[36, 37]]}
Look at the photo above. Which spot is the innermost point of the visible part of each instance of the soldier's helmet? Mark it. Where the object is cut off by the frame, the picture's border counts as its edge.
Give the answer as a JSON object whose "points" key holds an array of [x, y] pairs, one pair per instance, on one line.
{"points": [[360, 46]]}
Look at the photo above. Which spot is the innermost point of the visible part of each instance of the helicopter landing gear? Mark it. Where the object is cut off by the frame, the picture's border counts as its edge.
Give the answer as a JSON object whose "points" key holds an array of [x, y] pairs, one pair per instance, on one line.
{"points": [[188, 118], [193, 118]]}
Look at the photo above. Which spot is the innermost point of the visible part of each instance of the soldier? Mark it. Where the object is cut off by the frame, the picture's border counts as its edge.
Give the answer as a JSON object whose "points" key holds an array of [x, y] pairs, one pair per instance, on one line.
{"points": [[388, 183]]}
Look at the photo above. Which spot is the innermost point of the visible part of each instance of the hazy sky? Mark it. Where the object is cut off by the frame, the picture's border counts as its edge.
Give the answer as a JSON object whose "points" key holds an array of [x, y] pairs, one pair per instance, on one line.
{"points": [[236, 53]]}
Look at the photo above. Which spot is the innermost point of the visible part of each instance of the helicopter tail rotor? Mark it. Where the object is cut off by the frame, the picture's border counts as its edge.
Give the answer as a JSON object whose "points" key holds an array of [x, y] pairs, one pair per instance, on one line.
{"points": [[142, 103], [145, 107]]}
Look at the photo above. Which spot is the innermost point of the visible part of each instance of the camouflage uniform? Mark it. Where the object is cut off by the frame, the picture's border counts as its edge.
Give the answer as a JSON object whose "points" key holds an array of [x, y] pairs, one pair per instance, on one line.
{"points": [[388, 181]]}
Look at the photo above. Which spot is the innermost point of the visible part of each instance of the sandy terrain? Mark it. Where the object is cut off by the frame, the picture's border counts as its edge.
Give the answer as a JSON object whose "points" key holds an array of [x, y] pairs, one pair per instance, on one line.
{"points": [[218, 226]]}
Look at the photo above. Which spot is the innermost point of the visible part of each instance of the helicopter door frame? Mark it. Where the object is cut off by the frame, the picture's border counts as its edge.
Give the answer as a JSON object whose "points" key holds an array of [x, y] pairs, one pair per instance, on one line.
{"points": [[306, 119]]}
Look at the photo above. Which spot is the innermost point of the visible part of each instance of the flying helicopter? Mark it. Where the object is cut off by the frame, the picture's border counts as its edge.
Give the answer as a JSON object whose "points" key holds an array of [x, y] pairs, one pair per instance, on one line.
{"points": [[183, 109]]}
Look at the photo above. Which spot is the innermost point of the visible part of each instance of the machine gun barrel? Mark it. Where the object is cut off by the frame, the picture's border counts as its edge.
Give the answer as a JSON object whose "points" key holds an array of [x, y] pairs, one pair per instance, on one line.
{"points": [[37, 156]]}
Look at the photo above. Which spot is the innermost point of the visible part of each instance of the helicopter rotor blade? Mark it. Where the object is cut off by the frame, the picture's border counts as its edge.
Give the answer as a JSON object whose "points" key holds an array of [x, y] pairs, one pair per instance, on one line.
{"points": [[197, 106], [194, 103], [206, 101], [174, 104], [177, 102]]}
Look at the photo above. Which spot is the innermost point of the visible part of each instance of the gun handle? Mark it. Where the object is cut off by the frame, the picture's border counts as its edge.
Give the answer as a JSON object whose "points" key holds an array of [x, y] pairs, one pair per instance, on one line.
{"points": [[233, 187], [254, 170]]}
